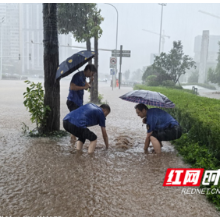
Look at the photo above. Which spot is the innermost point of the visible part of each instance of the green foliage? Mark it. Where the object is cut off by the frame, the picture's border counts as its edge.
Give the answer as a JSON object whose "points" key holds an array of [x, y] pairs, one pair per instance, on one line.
{"points": [[34, 102], [199, 120], [175, 63], [36, 133], [214, 75], [155, 71], [152, 81], [168, 83], [194, 77], [148, 72], [100, 98], [81, 19]]}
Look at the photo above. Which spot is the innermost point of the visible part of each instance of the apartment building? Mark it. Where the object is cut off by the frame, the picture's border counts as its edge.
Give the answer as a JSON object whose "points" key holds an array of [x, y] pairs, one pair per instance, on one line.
{"points": [[22, 39]]}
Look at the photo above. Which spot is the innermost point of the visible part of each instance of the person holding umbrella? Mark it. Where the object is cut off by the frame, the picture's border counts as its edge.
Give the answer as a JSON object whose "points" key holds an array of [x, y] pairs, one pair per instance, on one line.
{"points": [[77, 121], [161, 126], [77, 86]]}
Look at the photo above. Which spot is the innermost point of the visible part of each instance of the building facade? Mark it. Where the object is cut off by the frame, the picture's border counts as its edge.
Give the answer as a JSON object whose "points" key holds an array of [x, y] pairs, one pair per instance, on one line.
{"points": [[22, 39]]}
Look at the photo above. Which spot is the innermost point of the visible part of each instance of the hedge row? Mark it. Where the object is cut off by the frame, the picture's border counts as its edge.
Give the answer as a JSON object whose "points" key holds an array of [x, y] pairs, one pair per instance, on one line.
{"points": [[199, 118]]}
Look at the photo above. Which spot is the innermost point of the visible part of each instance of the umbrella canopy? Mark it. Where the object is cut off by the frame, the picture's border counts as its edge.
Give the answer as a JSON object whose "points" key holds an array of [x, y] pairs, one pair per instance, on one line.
{"points": [[149, 98], [73, 63]]}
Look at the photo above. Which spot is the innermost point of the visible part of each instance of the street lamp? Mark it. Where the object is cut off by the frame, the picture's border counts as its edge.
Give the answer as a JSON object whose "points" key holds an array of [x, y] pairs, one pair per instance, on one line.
{"points": [[162, 4], [116, 36], [1, 47]]}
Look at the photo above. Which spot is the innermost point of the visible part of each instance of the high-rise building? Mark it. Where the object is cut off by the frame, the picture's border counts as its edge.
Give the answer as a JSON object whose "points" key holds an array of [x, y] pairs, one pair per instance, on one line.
{"points": [[22, 39], [206, 48], [10, 36]]}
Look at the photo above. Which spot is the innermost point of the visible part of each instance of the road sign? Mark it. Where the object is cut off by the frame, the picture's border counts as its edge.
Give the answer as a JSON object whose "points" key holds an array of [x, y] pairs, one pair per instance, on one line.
{"points": [[123, 55], [123, 51], [112, 72], [113, 62]]}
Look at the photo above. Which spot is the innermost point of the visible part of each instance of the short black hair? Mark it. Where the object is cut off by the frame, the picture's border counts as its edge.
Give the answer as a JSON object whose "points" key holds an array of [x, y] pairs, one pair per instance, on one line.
{"points": [[141, 106], [106, 106], [90, 67]]}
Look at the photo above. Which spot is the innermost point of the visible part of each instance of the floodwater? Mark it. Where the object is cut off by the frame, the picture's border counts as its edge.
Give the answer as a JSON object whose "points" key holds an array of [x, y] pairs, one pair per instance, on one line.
{"points": [[48, 177]]}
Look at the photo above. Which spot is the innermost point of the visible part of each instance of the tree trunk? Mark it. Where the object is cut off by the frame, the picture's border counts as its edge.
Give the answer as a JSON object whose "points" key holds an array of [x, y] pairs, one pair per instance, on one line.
{"points": [[88, 46], [94, 88], [51, 62]]}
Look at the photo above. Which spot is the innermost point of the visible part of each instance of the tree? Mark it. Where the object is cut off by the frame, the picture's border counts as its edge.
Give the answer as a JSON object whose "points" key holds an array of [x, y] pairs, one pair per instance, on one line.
{"points": [[127, 74], [148, 72], [194, 77], [175, 63], [51, 62], [96, 21], [214, 75], [159, 74], [83, 21]]}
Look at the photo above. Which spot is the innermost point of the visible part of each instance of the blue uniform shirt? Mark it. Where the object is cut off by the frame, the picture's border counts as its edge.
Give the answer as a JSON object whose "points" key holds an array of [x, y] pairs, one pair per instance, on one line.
{"points": [[86, 116], [78, 79], [158, 119]]}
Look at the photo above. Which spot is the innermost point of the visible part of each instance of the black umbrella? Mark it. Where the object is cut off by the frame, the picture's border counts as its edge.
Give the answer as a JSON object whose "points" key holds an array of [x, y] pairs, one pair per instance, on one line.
{"points": [[73, 63], [149, 98]]}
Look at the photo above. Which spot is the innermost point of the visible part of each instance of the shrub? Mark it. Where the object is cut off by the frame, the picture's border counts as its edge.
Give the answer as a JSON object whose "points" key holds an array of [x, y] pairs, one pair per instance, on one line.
{"points": [[168, 83], [34, 102], [152, 81], [199, 119]]}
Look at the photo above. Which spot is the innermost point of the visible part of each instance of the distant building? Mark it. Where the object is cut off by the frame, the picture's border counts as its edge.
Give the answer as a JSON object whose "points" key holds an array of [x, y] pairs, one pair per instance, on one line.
{"points": [[213, 49], [211, 62], [22, 39], [10, 35], [206, 50]]}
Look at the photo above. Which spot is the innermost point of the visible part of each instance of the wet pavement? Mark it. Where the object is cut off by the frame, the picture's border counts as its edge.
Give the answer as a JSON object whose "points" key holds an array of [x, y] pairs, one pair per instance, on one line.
{"points": [[48, 177]]}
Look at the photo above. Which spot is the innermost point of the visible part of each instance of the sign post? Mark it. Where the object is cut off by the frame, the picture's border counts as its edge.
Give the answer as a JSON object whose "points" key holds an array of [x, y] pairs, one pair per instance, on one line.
{"points": [[120, 53], [113, 65]]}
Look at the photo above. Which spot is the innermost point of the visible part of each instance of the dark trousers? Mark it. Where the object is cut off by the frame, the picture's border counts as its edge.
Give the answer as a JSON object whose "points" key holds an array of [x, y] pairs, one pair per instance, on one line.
{"points": [[81, 133], [168, 134], [71, 105]]}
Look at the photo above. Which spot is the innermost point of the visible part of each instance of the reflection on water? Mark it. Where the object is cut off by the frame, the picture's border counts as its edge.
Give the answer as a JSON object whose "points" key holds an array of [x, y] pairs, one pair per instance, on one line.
{"points": [[49, 177]]}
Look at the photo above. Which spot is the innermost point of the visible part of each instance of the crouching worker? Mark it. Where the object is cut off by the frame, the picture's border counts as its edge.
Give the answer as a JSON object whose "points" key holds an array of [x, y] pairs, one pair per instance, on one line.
{"points": [[77, 121], [161, 126]]}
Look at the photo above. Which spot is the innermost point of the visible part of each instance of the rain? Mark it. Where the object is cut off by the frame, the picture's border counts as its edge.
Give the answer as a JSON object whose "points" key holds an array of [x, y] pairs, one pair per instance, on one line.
{"points": [[48, 176]]}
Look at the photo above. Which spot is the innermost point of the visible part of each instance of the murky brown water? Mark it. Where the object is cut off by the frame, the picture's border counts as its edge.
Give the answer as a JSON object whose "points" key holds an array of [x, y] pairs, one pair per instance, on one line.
{"points": [[47, 177]]}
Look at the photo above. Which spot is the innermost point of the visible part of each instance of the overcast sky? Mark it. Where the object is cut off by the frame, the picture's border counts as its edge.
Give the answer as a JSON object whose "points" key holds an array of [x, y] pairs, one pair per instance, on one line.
{"points": [[180, 21]]}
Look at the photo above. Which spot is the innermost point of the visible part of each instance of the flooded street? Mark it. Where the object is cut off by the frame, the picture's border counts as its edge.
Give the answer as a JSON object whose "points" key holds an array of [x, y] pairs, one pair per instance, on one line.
{"points": [[48, 177]]}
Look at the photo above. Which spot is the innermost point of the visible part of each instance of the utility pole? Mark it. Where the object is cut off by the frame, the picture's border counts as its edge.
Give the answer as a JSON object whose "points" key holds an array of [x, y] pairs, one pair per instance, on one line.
{"points": [[162, 4], [1, 47], [119, 78]]}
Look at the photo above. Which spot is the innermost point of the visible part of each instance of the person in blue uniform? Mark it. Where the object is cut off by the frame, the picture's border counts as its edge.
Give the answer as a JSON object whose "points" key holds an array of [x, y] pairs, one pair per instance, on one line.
{"points": [[161, 126], [77, 122], [76, 89], [77, 86]]}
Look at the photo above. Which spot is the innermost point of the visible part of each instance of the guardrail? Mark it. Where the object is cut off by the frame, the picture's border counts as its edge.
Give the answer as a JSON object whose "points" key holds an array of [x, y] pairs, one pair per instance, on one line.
{"points": [[195, 90]]}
